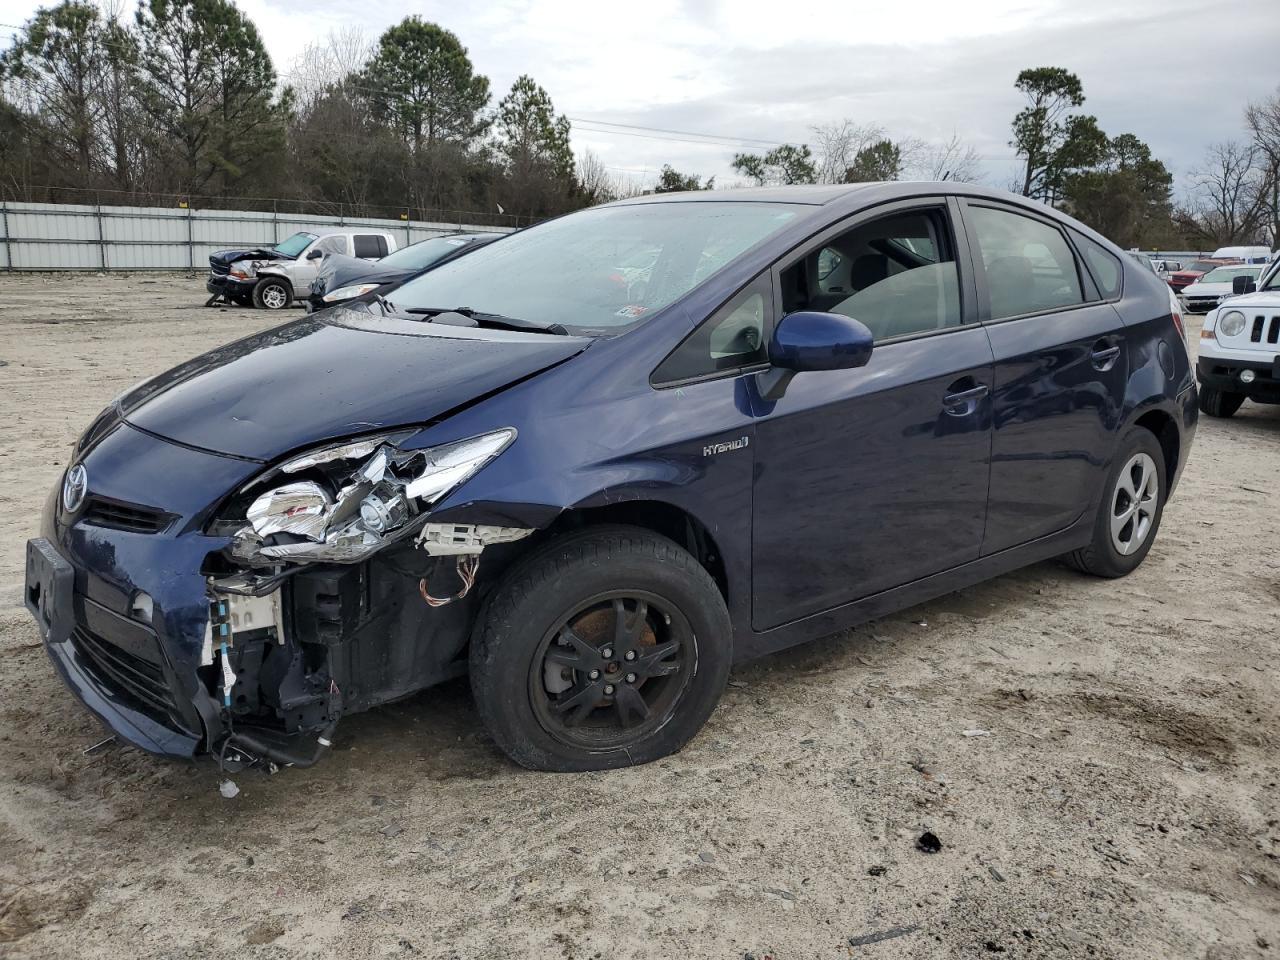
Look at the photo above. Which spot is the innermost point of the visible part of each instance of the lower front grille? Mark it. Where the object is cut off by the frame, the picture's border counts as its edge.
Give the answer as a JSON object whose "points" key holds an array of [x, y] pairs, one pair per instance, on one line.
{"points": [[134, 678]]}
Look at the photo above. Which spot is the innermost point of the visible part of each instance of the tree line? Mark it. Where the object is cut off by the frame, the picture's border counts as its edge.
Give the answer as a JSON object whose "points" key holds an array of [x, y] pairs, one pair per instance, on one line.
{"points": [[181, 98]]}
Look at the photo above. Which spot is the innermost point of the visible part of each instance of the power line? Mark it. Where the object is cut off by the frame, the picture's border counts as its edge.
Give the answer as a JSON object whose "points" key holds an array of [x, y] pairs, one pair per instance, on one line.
{"points": [[581, 124]]}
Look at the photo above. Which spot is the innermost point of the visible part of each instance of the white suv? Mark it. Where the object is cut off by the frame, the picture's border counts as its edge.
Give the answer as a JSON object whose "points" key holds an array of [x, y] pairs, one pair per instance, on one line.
{"points": [[1240, 347]]}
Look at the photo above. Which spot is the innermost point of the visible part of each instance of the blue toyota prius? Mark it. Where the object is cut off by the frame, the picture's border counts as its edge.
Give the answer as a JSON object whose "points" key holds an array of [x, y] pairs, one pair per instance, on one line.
{"points": [[598, 461]]}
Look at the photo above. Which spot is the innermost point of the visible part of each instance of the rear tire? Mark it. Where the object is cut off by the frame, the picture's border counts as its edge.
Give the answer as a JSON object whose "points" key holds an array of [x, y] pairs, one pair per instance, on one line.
{"points": [[272, 293], [1132, 505], [606, 648], [1219, 403]]}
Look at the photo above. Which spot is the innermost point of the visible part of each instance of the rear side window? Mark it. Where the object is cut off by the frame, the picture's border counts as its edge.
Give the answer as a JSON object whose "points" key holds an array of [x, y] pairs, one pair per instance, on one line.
{"points": [[1029, 266], [1103, 265], [333, 244], [370, 245], [731, 338]]}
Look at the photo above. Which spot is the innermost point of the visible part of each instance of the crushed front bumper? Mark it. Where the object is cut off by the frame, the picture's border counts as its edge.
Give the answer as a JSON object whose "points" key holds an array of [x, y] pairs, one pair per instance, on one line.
{"points": [[114, 666], [225, 286]]}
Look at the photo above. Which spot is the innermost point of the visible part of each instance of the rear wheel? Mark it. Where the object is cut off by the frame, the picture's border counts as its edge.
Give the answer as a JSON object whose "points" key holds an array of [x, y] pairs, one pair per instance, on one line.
{"points": [[605, 649], [1131, 507], [272, 293], [1219, 403]]}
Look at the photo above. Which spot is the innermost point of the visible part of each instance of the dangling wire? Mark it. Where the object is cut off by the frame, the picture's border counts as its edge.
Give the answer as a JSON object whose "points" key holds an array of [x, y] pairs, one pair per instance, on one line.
{"points": [[468, 566]]}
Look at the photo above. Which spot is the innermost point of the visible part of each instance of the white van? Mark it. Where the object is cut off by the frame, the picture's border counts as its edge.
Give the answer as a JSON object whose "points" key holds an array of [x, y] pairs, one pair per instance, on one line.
{"points": [[1247, 254]]}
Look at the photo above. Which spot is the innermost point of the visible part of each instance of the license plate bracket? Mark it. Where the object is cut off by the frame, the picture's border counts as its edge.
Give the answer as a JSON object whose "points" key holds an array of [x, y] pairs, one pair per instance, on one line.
{"points": [[49, 585]]}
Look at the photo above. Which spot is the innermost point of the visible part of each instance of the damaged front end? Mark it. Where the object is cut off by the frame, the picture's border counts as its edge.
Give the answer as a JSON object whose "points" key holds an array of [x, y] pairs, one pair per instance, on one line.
{"points": [[319, 604]]}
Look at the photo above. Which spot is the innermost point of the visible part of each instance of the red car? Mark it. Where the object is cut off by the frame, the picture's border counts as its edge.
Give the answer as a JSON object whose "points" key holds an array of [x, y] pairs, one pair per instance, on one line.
{"points": [[1184, 278]]}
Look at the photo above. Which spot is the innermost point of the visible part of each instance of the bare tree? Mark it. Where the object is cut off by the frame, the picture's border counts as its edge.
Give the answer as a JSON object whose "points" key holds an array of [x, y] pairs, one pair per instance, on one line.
{"points": [[837, 145], [1263, 119], [949, 160], [1227, 195], [329, 63], [594, 179]]}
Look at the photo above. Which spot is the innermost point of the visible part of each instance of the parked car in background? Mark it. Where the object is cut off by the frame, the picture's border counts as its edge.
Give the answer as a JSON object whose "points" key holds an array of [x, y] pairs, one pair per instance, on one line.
{"points": [[1216, 286], [1181, 279], [1255, 254], [1240, 348], [342, 278], [814, 406], [269, 277]]}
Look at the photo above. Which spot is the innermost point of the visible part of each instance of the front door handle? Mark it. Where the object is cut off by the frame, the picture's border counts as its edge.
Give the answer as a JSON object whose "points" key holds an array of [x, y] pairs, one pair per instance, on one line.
{"points": [[1103, 356], [964, 402]]}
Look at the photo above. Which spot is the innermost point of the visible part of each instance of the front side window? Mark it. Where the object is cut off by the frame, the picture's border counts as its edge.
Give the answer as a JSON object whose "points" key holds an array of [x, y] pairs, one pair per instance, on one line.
{"points": [[602, 270], [1028, 263], [897, 275], [334, 244], [294, 245]]}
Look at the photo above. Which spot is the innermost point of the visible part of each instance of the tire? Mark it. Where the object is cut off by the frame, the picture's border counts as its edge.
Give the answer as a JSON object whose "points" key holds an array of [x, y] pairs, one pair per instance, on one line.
{"points": [[1219, 403], [1137, 470], [673, 652], [272, 293]]}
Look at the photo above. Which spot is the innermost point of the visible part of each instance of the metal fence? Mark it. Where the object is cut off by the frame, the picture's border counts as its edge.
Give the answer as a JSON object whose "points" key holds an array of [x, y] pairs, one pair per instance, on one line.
{"points": [[58, 236]]}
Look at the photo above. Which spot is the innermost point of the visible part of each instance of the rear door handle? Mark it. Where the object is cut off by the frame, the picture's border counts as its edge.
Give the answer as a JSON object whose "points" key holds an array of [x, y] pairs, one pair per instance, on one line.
{"points": [[1104, 357], [964, 402]]}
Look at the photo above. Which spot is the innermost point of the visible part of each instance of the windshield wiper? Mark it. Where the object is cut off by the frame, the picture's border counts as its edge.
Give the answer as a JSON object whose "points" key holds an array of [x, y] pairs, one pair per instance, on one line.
{"points": [[491, 319]]}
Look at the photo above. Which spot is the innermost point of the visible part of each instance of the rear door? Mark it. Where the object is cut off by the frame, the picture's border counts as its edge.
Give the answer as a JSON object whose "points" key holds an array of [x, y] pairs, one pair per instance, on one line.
{"points": [[1061, 364], [870, 478]]}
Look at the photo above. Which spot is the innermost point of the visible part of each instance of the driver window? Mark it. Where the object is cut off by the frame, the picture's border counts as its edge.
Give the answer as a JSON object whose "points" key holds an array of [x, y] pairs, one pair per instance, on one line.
{"points": [[733, 337], [897, 275]]}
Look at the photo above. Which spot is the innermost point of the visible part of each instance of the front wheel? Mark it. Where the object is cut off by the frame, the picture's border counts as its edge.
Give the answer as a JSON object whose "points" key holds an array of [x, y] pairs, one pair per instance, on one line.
{"points": [[607, 648], [1219, 403], [272, 294], [1131, 508]]}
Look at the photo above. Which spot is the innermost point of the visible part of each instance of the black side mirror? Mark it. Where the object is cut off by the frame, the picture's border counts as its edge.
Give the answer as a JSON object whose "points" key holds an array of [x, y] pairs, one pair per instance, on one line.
{"points": [[808, 340], [315, 254], [1241, 285]]}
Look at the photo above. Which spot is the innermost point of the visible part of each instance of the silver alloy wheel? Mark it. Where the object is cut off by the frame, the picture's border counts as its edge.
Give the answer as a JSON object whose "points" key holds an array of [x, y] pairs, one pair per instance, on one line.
{"points": [[1133, 503], [273, 297]]}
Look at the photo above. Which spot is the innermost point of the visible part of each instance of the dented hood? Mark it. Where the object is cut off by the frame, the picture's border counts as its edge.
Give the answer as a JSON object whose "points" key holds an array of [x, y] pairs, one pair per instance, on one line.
{"points": [[334, 374]]}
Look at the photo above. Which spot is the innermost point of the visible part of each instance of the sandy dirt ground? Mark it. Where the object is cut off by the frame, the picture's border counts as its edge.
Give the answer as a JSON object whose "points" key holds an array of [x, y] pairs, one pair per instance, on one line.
{"points": [[1124, 802]]}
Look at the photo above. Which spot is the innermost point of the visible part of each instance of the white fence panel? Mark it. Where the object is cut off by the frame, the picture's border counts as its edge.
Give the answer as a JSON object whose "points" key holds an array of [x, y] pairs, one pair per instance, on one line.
{"points": [[57, 236]]}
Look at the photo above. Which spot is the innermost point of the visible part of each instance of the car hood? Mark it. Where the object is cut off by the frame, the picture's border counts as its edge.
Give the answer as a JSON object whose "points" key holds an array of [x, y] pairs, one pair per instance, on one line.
{"points": [[334, 374], [228, 257], [340, 271], [1260, 298], [1207, 290]]}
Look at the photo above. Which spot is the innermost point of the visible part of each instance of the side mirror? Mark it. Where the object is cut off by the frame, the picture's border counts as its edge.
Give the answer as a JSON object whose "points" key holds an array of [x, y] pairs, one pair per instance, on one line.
{"points": [[315, 254], [808, 340], [1243, 285]]}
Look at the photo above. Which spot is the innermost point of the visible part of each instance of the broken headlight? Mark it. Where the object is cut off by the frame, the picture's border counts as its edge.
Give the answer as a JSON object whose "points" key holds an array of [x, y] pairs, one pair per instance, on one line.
{"points": [[346, 501]]}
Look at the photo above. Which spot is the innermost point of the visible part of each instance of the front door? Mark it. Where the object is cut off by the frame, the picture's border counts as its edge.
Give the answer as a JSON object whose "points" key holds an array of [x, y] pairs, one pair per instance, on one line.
{"points": [[871, 478], [1060, 373]]}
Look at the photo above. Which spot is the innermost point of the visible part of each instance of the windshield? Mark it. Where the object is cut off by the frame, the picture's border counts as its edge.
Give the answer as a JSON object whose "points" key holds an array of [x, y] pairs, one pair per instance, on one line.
{"points": [[1227, 274], [1202, 266], [600, 270], [294, 245], [420, 255]]}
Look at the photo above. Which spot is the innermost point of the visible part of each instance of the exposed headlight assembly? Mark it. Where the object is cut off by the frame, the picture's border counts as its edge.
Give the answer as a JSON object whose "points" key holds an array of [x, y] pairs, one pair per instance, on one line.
{"points": [[365, 494], [346, 293], [1231, 323]]}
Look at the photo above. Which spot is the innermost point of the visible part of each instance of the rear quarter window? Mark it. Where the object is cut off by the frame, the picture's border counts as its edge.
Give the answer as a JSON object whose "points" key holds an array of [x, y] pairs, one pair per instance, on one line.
{"points": [[1102, 264]]}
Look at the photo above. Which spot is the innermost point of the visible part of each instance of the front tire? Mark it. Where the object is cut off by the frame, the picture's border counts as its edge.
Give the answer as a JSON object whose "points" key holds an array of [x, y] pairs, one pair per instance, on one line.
{"points": [[1219, 403], [272, 293], [1132, 505], [606, 648]]}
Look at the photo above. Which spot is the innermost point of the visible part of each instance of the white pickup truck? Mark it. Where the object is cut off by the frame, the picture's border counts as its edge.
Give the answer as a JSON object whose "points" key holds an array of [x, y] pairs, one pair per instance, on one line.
{"points": [[1240, 346], [273, 277]]}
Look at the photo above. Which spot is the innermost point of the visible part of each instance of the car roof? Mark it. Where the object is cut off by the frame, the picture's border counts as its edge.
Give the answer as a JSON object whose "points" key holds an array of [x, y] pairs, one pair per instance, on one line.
{"points": [[814, 194]]}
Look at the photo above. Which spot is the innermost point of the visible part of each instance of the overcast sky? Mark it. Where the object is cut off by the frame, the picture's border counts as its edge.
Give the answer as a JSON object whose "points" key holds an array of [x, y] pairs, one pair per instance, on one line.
{"points": [[1177, 74]]}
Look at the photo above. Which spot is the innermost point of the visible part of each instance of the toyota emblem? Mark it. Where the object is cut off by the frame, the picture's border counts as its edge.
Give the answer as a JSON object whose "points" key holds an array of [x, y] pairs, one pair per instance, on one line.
{"points": [[74, 487]]}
